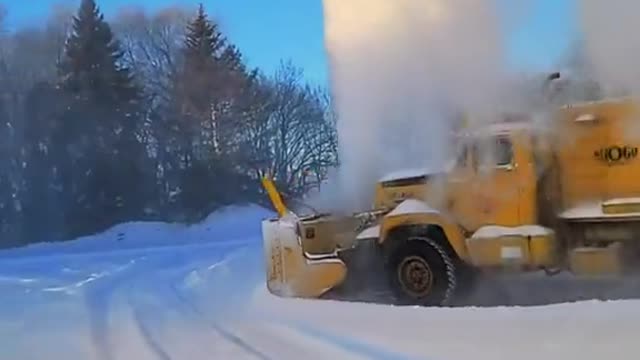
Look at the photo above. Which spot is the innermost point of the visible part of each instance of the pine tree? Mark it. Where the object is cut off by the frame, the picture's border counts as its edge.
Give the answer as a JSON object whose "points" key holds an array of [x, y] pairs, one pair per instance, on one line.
{"points": [[91, 65], [204, 42], [202, 72], [43, 217], [231, 58], [102, 160], [9, 214], [205, 91]]}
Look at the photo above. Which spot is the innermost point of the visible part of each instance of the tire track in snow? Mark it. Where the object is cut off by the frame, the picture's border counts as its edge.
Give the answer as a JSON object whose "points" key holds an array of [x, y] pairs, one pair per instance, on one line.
{"points": [[98, 301], [169, 276], [145, 283], [358, 348], [144, 314], [228, 335], [155, 276], [270, 340], [148, 337], [125, 281], [347, 344], [224, 331]]}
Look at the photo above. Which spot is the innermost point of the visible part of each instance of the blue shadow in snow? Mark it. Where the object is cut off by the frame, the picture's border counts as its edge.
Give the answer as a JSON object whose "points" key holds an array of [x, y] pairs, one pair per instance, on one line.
{"points": [[350, 344]]}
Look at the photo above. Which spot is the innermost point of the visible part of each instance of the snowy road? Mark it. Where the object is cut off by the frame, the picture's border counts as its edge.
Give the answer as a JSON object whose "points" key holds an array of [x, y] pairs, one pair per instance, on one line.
{"points": [[115, 296], [174, 303]]}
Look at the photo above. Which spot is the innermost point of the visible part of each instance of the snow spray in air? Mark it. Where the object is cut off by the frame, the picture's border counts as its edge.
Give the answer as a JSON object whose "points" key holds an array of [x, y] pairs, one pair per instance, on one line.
{"points": [[401, 71], [608, 30]]}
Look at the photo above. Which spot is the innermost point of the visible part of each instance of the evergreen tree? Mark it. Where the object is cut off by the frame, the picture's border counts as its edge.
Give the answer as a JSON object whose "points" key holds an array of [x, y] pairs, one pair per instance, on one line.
{"points": [[8, 211], [204, 43], [202, 71], [91, 65], [42, 197], [101, 159], [206, 90]]}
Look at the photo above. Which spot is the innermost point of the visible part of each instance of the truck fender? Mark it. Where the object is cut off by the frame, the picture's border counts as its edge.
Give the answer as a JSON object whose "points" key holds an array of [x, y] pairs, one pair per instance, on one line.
{"points": [[412, 213]]}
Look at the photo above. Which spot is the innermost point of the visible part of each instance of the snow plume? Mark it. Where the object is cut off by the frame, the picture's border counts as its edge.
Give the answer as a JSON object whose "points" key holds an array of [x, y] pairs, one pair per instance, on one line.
{"points": [[402, 71], [609, 29]]}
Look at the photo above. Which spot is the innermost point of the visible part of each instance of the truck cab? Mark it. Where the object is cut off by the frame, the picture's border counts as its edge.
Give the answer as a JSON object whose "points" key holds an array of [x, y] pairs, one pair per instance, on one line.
{"points": [[492, 179]]}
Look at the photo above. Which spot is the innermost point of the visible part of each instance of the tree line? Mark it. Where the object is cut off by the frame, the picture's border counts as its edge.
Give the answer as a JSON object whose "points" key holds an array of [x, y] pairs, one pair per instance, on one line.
{"points": [[145, 117]]}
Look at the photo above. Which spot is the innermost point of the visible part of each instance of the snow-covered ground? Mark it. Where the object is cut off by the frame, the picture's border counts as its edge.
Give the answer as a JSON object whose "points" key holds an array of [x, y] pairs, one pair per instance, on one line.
{"points": [[160, 291]]}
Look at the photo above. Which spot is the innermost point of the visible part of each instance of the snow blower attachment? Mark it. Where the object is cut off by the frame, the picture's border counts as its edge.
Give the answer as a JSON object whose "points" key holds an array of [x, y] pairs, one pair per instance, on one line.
{"points": [[291, 270]]}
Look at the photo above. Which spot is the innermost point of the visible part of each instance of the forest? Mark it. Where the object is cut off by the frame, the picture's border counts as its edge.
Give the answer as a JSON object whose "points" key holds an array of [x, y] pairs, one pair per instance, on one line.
{"points": [[146, 117]]}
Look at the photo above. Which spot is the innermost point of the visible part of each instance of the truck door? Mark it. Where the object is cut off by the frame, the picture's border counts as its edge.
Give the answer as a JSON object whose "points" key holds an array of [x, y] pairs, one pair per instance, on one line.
{"points": [[496, 189], [459, 194]]}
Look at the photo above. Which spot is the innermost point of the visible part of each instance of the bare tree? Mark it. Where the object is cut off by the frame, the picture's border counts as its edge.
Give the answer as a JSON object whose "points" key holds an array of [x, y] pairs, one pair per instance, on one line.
{"points": [[32, 53], [292, 135], [152, 45]]}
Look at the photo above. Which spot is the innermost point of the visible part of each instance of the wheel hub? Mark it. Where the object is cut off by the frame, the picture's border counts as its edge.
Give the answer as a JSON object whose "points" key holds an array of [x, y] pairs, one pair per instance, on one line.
{"points": [[415, 276]]}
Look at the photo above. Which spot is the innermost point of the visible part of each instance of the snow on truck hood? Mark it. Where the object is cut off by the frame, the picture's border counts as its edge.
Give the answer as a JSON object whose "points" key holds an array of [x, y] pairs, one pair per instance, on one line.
{"points": [[412, 206], [411, 173]]}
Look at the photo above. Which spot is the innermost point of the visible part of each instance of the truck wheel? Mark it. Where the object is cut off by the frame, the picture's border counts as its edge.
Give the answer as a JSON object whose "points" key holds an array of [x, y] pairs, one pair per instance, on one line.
{"points": [[422, 273]]}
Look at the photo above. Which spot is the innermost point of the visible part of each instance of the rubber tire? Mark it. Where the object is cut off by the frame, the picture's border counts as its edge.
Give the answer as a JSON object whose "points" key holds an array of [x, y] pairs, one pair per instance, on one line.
{"points": [[442, 268]]}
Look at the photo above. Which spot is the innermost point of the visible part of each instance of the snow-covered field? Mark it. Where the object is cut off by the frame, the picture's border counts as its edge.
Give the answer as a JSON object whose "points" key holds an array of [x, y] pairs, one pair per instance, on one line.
{"points": [[160, 291]]}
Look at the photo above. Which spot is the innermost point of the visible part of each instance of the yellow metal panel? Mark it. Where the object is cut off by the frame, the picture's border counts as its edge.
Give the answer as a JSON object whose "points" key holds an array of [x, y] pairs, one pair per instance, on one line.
{"points": [[498, 197], [599, 159], [462, 202], [325, 234], [389, 197], [543, 251], [527, 178], [289, 272], [583, 177], [621, 208], [596, 261], [505, 246], [624, 141], [452, 231], [496, 251]]}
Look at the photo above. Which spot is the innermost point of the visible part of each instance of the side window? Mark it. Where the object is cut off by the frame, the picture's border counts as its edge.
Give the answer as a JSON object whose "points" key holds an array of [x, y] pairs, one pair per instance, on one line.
{"points": [[475, 156], [503, 151], [461, 160], [492, 152]]}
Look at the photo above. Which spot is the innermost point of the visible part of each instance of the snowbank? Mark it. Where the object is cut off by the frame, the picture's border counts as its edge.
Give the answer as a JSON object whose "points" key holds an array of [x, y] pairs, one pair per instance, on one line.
{"points": [[230, 224]]}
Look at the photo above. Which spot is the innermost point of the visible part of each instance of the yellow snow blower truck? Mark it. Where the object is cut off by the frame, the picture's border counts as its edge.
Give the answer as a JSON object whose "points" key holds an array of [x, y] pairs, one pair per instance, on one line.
{"points": [[519, 197]]}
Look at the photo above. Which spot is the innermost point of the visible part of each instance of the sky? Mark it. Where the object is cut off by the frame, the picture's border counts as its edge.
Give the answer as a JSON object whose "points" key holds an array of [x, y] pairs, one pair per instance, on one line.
{"points": [[274, 30]]}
